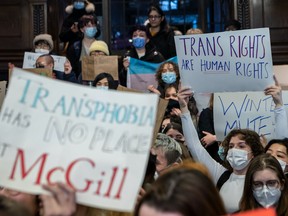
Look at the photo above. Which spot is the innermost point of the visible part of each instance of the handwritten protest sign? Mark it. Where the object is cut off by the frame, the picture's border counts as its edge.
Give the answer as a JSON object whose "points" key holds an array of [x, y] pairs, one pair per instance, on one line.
{"points": [[30, 59], [251, 110], [226, 61], [2, 92], [94, 65], [40, 71], [96, 141]]}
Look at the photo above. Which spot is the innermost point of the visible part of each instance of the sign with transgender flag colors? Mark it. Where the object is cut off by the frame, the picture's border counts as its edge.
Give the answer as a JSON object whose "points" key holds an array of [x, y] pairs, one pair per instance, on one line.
{"points": [[141, 74]]}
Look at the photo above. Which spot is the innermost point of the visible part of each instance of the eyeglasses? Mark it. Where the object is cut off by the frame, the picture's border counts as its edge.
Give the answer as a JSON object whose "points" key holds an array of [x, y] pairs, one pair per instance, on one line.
{"points": [[10, 192], [154, 17], [40, 65], [270, 184]]}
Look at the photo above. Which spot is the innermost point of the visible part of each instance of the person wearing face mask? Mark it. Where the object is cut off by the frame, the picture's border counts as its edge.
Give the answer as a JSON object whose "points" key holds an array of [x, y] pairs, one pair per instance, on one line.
{"points": [[43, 43], [167, 74], [240, 147], [279, 149], [88, 27], [265, 186], [104, 81], [141, 49], [70, 31]]}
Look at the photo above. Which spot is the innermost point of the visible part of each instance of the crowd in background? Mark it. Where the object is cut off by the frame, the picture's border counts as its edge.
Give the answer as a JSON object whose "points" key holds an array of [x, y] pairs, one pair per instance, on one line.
{"points": [[190, 171]]}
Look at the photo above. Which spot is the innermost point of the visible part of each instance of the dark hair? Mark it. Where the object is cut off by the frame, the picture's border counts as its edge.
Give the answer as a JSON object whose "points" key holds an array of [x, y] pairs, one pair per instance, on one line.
{"points": [[259, 163], [251, 138], [159, 71], [140, 28], [235, 23], [283, 142], [9, 207], [110, 79], [183, 190], [164, 25], [173, 125], [85, 19]]}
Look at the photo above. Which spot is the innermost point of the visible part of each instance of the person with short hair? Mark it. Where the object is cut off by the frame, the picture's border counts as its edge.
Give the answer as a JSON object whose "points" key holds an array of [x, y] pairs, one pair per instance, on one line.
{"points": [[104, 81], [265, 186], [194, 31], [141, 49]]}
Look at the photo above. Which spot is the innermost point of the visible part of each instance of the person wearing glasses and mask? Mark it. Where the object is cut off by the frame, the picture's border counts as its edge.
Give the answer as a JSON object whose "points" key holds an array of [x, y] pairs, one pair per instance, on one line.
{"points": [[161, 35], [265, 186]]}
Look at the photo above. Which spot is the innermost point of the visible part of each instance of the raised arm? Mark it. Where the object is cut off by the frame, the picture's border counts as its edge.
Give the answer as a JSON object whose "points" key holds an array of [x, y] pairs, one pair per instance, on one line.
{"points": [[191, 137], [281, 122]]}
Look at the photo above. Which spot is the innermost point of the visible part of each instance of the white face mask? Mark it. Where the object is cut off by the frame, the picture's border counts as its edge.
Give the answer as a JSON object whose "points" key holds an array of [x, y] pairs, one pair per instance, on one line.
{"points": [[102, 87], [267, 197], [237, 158], [42, 51], [283, 164]]}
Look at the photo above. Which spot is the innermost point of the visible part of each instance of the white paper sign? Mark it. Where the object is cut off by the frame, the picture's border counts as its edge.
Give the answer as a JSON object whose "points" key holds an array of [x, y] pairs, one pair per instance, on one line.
{"points": [[252, 110], [226, 61], [96, 141], [30, 60]]}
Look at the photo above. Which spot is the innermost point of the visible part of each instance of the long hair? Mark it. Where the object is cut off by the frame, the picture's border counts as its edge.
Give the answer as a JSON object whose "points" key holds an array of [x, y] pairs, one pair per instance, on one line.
{"points": [[262, 162], [183, 190], [159, 72], [164, 25]]}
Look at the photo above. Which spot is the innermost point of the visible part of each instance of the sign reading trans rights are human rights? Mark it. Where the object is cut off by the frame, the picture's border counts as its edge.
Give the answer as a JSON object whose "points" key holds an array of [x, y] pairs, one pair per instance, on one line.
{"points": [[95, 141], [226, 61]]}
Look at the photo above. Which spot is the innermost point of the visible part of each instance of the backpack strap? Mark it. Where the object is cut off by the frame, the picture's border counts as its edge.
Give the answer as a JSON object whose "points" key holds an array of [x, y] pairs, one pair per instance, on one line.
{"points": [[223, 178]]}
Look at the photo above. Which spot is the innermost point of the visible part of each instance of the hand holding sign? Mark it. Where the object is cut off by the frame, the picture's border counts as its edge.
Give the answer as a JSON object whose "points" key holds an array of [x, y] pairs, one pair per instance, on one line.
{"points": [[276, 92]]}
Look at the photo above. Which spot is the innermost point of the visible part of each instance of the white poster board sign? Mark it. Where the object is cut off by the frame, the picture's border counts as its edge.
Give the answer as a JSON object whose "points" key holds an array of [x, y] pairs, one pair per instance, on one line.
{"points": [[252, 110], [96, 141], [226, 61], [30, 60]]}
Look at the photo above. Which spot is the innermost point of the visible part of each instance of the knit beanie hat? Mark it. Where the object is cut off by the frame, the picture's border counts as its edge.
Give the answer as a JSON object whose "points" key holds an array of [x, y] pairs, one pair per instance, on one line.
{"points": [[44, 37], [99, 45]]}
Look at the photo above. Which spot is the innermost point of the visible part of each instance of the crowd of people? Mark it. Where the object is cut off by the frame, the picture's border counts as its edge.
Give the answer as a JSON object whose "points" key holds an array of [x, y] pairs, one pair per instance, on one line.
{"points": [[190, 171]]}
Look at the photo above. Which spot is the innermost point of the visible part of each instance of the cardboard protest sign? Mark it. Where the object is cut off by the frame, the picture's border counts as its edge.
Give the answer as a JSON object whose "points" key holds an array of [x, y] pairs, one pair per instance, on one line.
{"points": [[228, 61], [40, 71], [96, 141], [141, 74], [94, 65], [2, 92], [252, 110], [30, 59]]}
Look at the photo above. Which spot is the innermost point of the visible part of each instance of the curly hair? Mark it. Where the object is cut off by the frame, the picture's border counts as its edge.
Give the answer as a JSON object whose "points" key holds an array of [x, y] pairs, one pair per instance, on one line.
{"points": [[251, 138], [159, 72]]}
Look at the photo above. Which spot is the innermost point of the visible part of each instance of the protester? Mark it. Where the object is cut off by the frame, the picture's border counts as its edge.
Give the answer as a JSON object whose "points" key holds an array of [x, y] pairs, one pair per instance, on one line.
{"points": [[265, 186], [141, 49], [279, 149], [162, 36], [70, 31], [104, 81], [240, 145], [43, 43], [232, 25], [207, 131], [9, 207], [47, 61], [80, 48], [183, 191]]}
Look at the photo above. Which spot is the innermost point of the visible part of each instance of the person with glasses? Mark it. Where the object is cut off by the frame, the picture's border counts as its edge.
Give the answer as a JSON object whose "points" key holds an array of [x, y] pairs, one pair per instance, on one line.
{"points": [[161, 35], [265, 186]]}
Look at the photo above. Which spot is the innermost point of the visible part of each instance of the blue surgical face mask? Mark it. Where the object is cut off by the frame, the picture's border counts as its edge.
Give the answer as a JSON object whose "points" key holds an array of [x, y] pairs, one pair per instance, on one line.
{"points": [[79, 5], [138, 42], [90, 32], [169, 77], [221, 152], [102, 87]]}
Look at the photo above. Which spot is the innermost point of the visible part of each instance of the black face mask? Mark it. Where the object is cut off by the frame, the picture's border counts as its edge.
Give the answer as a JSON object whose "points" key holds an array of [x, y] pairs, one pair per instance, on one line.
{"points": [[172, 104]]}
